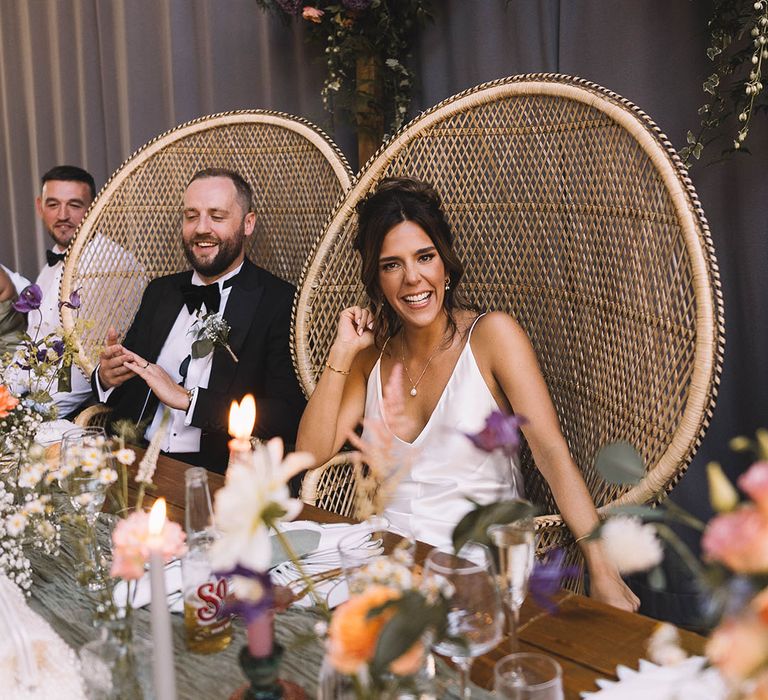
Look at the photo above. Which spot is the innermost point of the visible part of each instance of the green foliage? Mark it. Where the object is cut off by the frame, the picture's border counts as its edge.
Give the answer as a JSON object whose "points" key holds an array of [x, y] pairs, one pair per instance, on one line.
{"points": [[473, 527], [738, 50], [620, 463]]}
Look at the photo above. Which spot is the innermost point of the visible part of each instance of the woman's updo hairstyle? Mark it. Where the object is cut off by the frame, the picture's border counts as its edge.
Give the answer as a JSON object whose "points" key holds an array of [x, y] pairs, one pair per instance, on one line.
{"points": [[395, 200]]}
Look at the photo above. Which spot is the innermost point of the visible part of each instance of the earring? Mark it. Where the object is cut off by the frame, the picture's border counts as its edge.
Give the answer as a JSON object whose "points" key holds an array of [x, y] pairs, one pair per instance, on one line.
{"points": [[447, 283]]}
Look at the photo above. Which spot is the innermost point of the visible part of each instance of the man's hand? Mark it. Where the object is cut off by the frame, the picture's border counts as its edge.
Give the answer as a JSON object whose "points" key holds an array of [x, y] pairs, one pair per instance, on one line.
{"points": [[157, 379], [113, 370]]}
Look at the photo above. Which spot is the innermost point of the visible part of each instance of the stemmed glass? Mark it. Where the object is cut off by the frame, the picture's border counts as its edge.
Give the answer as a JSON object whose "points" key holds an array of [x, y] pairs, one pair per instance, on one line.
{"points": [[87, 493], [475, 614], [516, 544]]}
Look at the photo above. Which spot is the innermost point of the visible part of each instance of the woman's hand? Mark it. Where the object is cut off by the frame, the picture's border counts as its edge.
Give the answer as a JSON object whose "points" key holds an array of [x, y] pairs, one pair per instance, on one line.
{"points": [[355, 330], [609, 587]]}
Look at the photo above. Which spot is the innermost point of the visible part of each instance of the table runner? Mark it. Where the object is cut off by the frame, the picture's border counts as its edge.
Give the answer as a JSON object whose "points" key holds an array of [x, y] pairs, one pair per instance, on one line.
{"points": [[68, 608]]}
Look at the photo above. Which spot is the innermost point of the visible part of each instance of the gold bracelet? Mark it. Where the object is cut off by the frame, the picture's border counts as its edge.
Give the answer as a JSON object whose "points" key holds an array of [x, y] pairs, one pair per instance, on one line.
{"points": [[338, 371], [190, 396], [583, 537]]}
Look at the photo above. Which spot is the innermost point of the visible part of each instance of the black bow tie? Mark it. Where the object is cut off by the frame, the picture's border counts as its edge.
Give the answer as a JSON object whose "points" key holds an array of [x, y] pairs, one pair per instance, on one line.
{"points": [[195, 295], [54, 258]]}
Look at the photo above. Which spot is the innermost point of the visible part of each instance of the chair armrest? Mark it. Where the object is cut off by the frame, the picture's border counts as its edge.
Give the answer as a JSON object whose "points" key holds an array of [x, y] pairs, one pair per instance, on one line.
{"points": [[93, 416]]}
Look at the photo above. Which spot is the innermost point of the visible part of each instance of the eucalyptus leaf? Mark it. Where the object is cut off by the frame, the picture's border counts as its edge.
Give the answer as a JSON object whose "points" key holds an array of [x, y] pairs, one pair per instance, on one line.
{"points": [[644, 512], [474, 525], [201, 348], [620, 463], [397, 636], [64, 376]]}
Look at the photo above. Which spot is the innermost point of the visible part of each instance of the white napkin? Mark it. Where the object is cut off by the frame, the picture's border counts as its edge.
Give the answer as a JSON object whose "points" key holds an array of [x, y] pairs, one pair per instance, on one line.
{"points": [[35, 663], [143, 595], [688, 679], [51, 431], [325, 558]]}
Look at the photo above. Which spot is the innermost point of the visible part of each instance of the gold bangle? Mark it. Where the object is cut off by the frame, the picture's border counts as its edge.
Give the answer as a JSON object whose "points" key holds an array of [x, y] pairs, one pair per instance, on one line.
{"points": [[583, 537], [338, 371]]}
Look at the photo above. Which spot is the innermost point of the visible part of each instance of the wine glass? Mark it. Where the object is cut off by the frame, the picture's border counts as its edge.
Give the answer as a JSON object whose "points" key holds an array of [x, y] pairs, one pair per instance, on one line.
{"points": [[516, 544], [83, 452], [528, 677], [475, 613]]}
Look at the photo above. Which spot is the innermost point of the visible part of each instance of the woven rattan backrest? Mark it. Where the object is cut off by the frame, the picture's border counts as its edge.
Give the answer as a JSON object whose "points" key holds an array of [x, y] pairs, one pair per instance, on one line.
{"points": [[573, 213], [132, 233]]}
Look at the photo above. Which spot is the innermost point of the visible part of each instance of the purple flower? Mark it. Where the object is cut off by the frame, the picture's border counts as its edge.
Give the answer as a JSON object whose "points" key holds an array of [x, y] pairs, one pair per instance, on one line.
{"points": [[30, 298], [547, 577], [290, 6], [74, 300], [500, 432], [249, 608], [358, 5], [58, 347], [41, 354]]}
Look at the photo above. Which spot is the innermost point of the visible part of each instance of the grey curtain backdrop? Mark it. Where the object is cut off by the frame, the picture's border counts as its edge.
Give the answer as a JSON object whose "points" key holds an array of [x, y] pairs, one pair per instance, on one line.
{"points": [[89, 81]]}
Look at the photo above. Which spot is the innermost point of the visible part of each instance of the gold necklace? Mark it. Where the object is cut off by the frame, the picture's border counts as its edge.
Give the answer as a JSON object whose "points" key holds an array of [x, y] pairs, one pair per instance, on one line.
{"points": [[413, 384]]}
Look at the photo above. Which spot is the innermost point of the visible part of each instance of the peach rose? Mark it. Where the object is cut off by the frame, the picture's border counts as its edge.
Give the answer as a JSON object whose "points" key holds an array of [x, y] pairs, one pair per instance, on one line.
{"points": [[760, 689], [739, 647], [754, 482], [739, 540], [352, 635], [7, 402]]}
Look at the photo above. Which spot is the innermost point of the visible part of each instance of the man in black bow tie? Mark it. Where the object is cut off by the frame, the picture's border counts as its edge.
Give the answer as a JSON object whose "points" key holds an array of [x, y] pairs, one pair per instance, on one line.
{"points": [[154, 367], [67, 192]]}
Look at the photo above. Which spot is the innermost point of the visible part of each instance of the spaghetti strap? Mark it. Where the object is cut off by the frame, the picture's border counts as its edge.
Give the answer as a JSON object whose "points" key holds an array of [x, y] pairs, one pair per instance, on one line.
{"points": [[471, 328]]}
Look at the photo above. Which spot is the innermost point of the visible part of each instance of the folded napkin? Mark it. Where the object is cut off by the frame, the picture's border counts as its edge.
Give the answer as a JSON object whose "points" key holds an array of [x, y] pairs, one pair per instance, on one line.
{"points": [[35, 663], [51, 431], [688, 679], [325, 558]]}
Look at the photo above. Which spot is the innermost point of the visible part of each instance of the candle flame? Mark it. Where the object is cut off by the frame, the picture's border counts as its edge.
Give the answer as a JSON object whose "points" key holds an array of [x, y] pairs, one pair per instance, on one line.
{"points": [[157, 517], [242, 418]]}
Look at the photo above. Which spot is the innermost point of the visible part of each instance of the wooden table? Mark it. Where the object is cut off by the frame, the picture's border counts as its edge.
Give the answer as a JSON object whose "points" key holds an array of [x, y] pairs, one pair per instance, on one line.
{"points": [[587, 638]]}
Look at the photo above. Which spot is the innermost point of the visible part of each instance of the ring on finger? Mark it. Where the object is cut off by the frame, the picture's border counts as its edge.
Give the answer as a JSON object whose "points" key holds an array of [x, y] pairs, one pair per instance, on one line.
{"points": [[146, 365]]}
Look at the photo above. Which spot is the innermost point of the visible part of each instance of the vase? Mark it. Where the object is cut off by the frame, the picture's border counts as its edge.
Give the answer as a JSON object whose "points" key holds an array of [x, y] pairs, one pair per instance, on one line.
{"points": [[334, 685], [115, 666]]}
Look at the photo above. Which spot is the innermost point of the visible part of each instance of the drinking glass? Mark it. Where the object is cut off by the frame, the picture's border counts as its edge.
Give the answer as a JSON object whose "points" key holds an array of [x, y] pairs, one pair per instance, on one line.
{"points": [[516, 545], [528, 677], [86, 494], [475, 613]]}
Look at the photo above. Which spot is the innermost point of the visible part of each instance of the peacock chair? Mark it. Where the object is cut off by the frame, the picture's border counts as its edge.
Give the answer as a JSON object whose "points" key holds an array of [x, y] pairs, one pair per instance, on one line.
{"points": [[573, 213], [132, 232]]}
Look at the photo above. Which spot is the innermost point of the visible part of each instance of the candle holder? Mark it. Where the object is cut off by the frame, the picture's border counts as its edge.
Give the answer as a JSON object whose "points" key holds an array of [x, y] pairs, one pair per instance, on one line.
{"points": [[264, 683]]}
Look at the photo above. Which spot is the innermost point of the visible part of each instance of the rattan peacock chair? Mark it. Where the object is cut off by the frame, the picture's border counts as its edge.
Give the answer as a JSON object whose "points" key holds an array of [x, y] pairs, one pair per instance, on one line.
{"points": [[573, 213], [132, 232]]}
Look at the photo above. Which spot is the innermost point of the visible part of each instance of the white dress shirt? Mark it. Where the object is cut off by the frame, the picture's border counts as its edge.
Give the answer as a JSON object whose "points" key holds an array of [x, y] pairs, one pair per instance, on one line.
{"points": [[182, 436]]}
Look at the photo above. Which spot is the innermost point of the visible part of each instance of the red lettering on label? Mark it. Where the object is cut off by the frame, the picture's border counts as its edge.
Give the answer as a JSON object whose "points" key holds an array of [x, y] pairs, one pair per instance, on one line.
{"points": [[212, 594]]}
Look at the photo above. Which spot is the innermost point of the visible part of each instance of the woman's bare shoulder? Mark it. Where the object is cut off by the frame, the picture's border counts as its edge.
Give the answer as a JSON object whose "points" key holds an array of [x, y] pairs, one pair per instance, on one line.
{"points": [[497, 325]]}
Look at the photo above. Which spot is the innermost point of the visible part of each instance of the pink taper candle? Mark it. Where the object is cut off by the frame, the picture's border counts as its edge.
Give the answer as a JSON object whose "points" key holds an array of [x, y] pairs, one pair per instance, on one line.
{"points": [[260, 635]]}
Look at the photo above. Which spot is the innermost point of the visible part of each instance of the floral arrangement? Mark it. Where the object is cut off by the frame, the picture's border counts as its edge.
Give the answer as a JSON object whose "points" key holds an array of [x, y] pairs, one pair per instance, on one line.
{"points": [[734, 573], [39, 363], [352, 29], [738, 47], [211, 331]]}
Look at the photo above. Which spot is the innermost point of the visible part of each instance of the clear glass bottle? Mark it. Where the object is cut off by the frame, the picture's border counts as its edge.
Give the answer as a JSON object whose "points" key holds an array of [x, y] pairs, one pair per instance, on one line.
{"points": [[207, 631]]}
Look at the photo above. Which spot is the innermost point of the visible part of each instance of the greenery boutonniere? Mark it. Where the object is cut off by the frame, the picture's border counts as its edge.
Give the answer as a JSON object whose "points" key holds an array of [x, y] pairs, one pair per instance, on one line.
{"points": [[211, 331]]}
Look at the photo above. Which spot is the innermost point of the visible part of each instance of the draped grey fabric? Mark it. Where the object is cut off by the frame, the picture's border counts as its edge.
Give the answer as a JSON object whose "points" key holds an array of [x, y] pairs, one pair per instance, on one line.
{"points": [[88, 81]]}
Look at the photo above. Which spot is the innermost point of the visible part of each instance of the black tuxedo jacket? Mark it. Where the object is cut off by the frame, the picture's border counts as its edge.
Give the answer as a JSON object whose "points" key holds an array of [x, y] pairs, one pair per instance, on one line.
{"points": [[259, 315]]}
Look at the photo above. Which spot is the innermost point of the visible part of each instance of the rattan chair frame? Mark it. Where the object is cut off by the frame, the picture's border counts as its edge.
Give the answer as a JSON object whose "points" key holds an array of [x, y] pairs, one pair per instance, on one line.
{"points": [[300, 170], [594, 108]]}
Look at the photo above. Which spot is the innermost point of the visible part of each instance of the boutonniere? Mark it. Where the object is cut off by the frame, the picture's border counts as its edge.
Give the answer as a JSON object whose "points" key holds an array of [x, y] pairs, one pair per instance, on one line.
{"points": [[211, 331]]}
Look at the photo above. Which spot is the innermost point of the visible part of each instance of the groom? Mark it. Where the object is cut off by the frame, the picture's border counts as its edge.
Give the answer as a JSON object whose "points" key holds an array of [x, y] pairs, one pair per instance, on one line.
{"points": [[154, 368]]}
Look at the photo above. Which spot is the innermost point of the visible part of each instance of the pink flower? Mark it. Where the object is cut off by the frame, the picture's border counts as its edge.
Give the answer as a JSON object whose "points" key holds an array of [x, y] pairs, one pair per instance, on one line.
{"points": [[313, 14], [754, 482], [130, 545], [739, 647], [739, 540]]}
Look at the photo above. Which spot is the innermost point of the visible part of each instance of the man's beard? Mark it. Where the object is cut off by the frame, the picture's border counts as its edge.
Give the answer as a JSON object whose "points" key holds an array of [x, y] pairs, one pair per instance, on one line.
{"points": [[225, 255]]}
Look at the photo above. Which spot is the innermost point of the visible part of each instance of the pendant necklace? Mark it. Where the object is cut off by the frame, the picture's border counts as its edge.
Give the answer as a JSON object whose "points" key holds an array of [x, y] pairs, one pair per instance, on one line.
{"points": [[413, 384]]}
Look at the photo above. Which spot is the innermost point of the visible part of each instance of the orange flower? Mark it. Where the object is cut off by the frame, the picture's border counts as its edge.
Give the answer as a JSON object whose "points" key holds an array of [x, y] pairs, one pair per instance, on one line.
{"points": [[353, 635], [739, 647], [7, 402]]}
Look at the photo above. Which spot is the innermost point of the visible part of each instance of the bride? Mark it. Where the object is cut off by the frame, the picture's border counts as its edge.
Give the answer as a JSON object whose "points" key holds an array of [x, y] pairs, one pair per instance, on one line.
{"points": [[459, 366]]}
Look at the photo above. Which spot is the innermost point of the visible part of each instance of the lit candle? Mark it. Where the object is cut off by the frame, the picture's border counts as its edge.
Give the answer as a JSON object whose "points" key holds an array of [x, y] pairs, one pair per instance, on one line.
{"points": [[162, 656], [242, 418]]}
